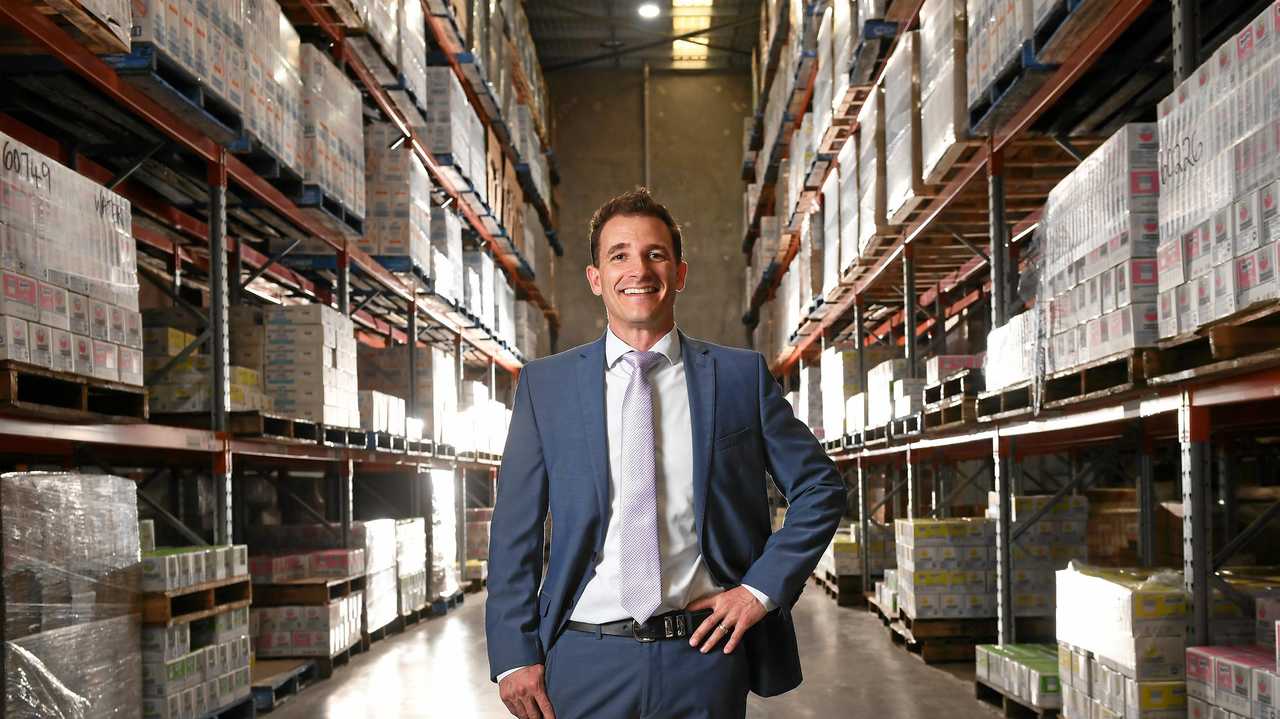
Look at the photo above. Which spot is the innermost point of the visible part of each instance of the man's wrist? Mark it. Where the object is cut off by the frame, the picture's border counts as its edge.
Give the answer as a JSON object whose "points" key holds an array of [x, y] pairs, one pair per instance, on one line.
{"points": [[769, 604], [509, 672]]}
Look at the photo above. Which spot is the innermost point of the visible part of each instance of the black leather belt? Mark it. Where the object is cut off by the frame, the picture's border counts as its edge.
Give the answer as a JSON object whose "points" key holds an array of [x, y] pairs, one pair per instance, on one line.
{"points": [[673, 625]]}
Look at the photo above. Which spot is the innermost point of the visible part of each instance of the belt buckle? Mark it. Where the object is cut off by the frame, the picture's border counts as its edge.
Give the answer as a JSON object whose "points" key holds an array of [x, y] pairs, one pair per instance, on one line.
{"points": [[642, 633]]}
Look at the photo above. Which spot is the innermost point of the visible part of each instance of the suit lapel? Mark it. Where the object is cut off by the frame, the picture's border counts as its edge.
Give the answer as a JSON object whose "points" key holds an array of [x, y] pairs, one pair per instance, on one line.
{"points": [[700, 376], [595, 425]]}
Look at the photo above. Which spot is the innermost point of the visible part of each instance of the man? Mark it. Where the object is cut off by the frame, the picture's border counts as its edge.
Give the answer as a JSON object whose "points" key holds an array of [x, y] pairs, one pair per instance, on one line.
{"points": [[665, 595]]}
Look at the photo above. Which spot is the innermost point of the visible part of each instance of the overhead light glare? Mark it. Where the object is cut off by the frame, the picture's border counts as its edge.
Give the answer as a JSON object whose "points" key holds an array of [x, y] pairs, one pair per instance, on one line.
{"points": [[648, 11]]}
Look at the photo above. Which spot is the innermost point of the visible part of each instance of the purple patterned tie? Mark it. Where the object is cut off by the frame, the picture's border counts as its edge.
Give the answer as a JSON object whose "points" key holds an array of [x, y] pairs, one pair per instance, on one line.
{"points": [[640, 584]]}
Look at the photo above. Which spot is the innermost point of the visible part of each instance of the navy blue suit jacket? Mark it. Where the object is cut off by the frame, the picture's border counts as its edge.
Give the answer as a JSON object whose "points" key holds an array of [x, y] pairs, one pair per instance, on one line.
{"points": [[557, 459]]}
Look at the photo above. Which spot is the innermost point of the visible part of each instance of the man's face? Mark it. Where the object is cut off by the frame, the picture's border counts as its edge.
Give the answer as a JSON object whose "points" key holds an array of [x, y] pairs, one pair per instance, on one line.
{"points": [[638, 275]]}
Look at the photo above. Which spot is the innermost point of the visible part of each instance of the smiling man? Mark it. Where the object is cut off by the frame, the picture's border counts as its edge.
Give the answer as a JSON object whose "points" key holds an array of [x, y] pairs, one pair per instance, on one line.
{"points": [[665, 595]]}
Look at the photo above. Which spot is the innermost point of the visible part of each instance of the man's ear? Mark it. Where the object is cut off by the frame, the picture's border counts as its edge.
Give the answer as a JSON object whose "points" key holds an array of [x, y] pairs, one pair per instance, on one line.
{"points": [[593, 279], [682, 274]]}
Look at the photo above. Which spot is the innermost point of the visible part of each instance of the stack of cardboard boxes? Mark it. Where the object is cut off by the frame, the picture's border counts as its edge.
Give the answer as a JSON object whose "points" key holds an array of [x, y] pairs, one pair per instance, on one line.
{"points": [[944, 116], [272, 72], [309, 362], [436, 384], [1012, 352], [946, 568], [890, 393], [332, 131], [187, 387], [411, 564], [903, 184], [455, 134], [1055, 540], [1099, 281], [72, 637], [307, 631], [381, 412], [1218, 206], [1121, 643], [398, 223], [445, 572], [68, 271], [1028, 672]]}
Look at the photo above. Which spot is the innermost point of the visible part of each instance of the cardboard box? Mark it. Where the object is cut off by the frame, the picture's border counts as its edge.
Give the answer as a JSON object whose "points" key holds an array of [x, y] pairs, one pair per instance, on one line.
{"points": [[21, 296], [1136, 281], [15, 343], [106, 361], [82, 353], [1167, 309], [62, 358], [1199, 249], [54, 311], [78, 314], [99, 320], [40, 338], [1171, 265], [1224, 238], [1246, 215]]}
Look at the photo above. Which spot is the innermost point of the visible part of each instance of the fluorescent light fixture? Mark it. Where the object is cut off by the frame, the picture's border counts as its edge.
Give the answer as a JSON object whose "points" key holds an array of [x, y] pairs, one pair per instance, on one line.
{"points": [[691, 3], [648, 11], [399, 141]]}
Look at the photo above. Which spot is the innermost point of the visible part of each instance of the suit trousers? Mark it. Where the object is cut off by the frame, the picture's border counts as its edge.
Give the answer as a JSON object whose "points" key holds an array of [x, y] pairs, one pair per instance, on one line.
{"points": [[606, 677]]}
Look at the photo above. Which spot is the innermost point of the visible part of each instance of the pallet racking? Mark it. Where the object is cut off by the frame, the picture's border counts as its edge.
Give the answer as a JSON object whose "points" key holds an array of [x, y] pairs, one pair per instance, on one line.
{"points": [[1197, 419]]}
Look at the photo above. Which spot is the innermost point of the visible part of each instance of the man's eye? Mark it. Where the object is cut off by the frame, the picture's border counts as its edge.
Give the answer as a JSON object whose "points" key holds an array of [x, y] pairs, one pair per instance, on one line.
{"points": [[618, 256]]}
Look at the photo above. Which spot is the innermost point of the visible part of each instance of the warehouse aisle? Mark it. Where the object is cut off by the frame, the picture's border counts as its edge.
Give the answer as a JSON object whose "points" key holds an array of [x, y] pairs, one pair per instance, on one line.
{"points": [[439, 669]]}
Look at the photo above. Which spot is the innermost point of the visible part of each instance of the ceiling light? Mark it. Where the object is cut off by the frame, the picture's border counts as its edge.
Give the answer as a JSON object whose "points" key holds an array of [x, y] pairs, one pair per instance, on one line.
{"points": [[648, 11]]}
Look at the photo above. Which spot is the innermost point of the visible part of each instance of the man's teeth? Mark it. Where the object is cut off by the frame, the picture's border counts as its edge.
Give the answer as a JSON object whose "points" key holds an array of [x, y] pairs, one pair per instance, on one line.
{"points": [[639, 291]]}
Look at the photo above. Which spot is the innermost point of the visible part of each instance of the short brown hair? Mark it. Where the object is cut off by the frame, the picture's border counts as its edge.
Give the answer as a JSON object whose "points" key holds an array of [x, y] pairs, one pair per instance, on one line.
{"points": [[636, 202]]}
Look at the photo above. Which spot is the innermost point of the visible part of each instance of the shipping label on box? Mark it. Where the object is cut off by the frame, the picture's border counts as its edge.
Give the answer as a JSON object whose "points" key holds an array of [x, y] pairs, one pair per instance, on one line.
{"points": [[1199, 249], [1225, 293], [1246, 215], [53, 307], [1136, 281], [1224, 247], [1167, 307], [1204, 299]]}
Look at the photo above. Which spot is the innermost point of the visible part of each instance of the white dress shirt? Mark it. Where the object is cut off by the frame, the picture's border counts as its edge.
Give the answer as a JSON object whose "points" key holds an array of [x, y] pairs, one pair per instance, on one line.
{"points": [[685, 577]]}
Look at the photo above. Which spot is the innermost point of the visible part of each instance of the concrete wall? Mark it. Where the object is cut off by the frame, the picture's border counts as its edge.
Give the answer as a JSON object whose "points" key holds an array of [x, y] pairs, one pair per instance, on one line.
{"points": [[695, 165]]}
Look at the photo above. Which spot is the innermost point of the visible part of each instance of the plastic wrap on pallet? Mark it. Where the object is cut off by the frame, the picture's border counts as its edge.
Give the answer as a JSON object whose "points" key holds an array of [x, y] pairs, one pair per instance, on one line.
{"points": [[1219, 158], [944, 119], [308, 631], [871, 169], [453, 128], [444, 537], [204, 40], [997, 32], [1011, 352], [848, 170], [376, 537], [273, 113], [1099, 245], [446, 253], [831, 232], [412, 48], [840, 381], [333, 131], [71, 573], [902, 125], [824, 80], [880, 399], [871, 10], [810, 410], [70, 273], [398, 187], [844, 43]]}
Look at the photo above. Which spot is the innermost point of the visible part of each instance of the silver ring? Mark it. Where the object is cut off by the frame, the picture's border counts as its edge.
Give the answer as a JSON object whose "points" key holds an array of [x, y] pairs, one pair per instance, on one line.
{"points": [[722, 628]]}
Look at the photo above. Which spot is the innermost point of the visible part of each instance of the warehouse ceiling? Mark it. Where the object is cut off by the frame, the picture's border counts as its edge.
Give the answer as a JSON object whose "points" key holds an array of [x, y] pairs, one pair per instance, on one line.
{"points": [[603, 34]]}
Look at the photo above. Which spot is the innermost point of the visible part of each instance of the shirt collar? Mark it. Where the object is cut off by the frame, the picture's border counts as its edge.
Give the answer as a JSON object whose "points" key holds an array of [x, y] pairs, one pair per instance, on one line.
{"points": [[668, 346]]}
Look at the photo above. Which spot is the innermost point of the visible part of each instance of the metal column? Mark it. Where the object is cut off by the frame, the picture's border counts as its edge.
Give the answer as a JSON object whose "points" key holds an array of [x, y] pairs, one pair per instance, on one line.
{"points": [[864, 526], [1186, 38], [412, 391], [909, 310], [1227, 468], [913, 485], [219, 341], [1146, 507], [999, 241], [344, 282], [1193, 441], [343, 476], [1001, 449], [459, 472], [859, 348]]}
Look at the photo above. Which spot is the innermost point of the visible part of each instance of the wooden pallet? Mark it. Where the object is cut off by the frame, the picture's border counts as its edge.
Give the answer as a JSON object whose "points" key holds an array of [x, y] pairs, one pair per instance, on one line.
{"points": [[1100, 379], [1009, 90], [32, 391], [1246, 341], [846, 589], [445, 451], [965, 383], [949, 414], [243, 708], [246, 424], [1011, 401], [326, 665], [875, 607], [875, 435], [385, 441], [392, 627], [266, 164], [906, 427], [94, 32], [276, 681], [200, 601], [312, 591], [444, 605], [932, 650], [420, 446], [1012, 707], [343, 437], [317, 202], [149, 68]]}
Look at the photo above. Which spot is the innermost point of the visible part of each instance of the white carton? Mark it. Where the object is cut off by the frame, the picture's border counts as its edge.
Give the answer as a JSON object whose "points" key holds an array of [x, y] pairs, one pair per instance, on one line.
{"points": [[63, 355], [53, 307], [78, 308], [1246, 214], [1225, 293], [99, 320], [41, 344], [1136, 281], [106, 361], [1224, 247], [21, 296], [1171, 265], [14, 341], [82, 353]]}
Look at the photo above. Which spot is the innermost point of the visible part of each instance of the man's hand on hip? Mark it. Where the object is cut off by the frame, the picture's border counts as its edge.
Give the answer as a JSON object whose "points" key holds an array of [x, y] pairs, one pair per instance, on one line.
{"points": [[525, 694], [732, 614]]}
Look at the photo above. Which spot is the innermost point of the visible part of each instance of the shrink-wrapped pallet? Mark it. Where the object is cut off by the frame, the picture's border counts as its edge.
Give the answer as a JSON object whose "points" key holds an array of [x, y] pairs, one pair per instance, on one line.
{"points": [[944, 120], [398, 219], [831, 232], [903, 186], [849, 170], [333, 131], [872, 222]]}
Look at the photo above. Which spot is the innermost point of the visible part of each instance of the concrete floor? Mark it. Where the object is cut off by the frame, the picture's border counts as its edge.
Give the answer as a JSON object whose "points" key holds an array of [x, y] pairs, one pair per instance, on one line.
{"points": [[439, 669]]}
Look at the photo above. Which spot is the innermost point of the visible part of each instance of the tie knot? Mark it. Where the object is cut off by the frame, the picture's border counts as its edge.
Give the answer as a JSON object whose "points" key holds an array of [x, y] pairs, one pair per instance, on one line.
{"points": [[642, 361]]}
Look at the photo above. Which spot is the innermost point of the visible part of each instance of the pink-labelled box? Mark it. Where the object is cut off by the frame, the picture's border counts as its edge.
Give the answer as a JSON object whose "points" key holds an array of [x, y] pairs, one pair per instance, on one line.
{"points": [[1233, 675], [1224, 290], [1093, 298], [130, 365], [1096, 339], [336, 563], [1199, 249], [1171, 265], [1183, 295], [21, 296], [64, 358], [940, 367], [280, 568], [115, 324], [1107, 291], [1224, 243], [78, 314], [1082, 343], [1136, 281], [1137, 325], [53, 307], [41, 339], [106, 361], [99, 320], [1256, 277], [1201, 679], [1167, 307], [15, 342], [133, 329], [1203, 299], [1245, 216], [82, 349], [1269, 212]]}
